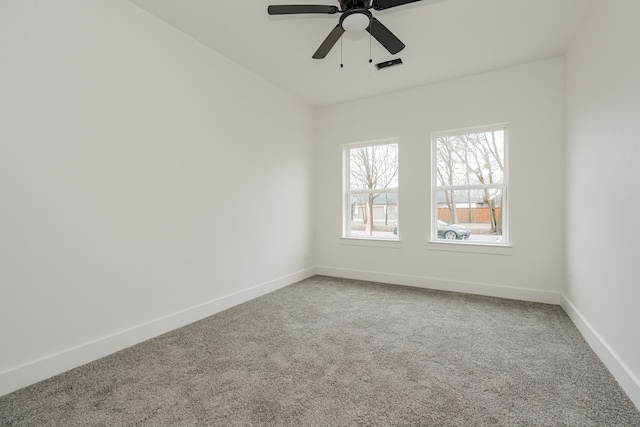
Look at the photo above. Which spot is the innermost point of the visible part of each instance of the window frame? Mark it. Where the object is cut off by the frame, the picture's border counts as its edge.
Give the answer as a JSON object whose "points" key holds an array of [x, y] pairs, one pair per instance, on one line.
{"points": [[481, 246], [348, 192]]}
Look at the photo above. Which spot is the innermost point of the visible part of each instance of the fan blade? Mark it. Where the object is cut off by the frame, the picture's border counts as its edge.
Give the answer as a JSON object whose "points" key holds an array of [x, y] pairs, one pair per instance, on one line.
{"points": [[301, 8], [387, 4], [385, 37], [328, 43]]}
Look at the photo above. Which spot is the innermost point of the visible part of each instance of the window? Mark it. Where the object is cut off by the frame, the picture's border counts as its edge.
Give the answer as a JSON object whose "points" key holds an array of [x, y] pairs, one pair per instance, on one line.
{"points": [[470, 186], [371, 190]]}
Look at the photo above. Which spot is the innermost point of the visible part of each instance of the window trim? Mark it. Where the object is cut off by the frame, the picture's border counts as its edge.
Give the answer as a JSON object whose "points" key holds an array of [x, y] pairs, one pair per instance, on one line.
{"points": [[463, 245], [345, 236]]}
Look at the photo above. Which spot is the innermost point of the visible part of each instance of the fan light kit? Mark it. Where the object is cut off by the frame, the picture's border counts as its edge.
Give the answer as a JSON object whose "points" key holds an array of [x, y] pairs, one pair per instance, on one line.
{"points": [[355, 17], [356, 22]]}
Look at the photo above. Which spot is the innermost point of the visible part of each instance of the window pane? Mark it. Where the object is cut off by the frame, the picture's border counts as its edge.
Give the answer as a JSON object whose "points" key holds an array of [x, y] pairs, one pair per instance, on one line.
{"points": [[373, 167], [373, 215], [470, 159], [470, 215]]}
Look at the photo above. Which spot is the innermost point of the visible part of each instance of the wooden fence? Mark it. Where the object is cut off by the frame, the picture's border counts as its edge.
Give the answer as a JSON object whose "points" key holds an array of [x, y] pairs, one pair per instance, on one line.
{"points": [[478, 215]]}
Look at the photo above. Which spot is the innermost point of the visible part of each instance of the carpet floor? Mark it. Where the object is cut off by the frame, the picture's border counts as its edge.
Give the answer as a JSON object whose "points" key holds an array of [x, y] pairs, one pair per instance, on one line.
{"points": [[335, 352]]}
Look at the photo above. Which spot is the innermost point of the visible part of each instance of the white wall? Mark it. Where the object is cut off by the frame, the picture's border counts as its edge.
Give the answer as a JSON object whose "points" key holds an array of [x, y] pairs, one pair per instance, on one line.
{"points": [[530, 99], [602, 286], [145, 182]]}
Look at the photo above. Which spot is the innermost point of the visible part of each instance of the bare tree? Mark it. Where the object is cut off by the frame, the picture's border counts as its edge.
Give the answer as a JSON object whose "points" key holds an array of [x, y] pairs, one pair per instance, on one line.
{"points": [[472, 159], [373, 167], [445, 171], [481, 157]]}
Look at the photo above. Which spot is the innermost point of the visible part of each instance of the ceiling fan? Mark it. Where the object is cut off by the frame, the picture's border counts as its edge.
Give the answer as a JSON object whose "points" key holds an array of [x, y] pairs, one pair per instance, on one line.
{"points": [[355, 17]]}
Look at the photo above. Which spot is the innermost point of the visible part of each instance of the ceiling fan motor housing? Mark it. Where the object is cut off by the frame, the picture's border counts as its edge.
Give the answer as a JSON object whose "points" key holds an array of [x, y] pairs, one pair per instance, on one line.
{"points": [[351, 4]]}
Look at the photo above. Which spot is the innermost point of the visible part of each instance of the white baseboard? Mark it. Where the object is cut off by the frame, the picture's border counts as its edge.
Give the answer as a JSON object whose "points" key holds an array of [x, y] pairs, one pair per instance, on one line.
{"points": [[620, 371], [38, 370], [532, 295], [627, 380], [46, 367]]}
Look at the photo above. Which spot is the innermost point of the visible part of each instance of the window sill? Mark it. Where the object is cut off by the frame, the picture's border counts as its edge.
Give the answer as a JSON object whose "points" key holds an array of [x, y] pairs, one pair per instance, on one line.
{"points": [[471, 248], [378, 243]]}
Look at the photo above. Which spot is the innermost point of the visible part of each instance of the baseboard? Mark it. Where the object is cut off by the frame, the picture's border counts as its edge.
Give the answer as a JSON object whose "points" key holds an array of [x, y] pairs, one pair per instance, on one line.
{"points": [[38, 370], [532, 295], [627, 380]]}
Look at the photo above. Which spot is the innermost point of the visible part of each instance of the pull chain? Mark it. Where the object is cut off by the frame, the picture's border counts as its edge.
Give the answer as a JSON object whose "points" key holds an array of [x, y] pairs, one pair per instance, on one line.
{"points": [[341, 51]]}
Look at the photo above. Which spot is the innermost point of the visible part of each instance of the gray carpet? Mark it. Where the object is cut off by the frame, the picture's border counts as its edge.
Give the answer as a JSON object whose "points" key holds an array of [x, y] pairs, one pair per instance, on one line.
{"points": [[333, 352]]}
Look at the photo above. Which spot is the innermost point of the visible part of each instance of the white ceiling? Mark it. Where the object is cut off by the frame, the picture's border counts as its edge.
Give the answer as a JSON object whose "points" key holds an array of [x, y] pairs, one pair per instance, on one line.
{"points": [[444, 40]]}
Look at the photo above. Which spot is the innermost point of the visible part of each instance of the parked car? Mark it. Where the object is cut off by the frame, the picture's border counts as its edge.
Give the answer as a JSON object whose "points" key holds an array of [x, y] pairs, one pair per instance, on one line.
{"points": [[452, 231]]}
